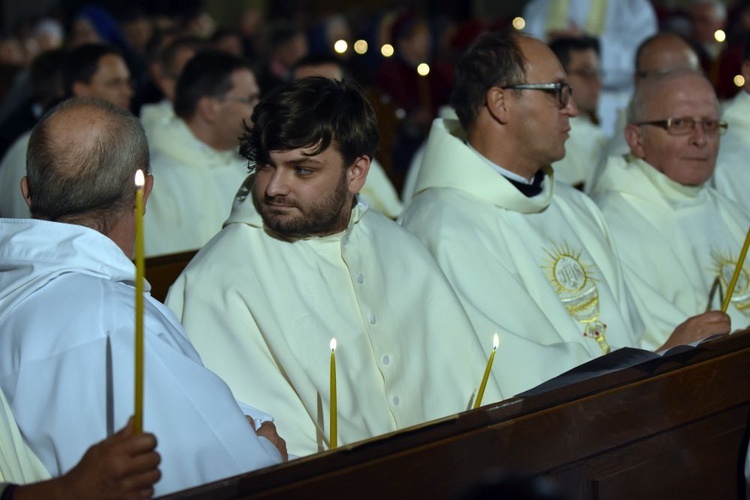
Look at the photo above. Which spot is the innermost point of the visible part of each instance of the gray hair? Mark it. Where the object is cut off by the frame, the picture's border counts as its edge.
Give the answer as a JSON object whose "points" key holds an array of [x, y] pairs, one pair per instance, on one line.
{"points": [[90, 182], [638, 106]]}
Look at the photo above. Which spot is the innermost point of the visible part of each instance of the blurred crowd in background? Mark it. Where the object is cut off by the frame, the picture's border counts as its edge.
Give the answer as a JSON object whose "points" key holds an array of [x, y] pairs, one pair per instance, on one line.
{"points": [[403, 55]]}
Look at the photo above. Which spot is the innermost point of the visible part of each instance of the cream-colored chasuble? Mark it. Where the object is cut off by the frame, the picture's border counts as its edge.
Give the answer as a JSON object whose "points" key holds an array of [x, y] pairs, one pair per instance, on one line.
{"points": [[540, 270], [674, 241], [261, 311], [18, 464]]}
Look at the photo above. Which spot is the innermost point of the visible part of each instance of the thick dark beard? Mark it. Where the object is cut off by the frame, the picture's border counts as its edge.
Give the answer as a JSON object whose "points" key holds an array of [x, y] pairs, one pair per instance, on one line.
{"points": [[324, 217]]}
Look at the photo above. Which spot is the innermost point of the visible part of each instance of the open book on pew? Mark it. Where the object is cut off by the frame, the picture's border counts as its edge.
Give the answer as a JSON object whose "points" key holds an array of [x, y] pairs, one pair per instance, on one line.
{"points": [[620, 359]]}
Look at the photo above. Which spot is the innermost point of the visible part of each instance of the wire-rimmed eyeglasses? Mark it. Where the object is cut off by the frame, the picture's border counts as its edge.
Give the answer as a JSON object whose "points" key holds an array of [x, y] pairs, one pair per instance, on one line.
{"points": [[686, 125]]}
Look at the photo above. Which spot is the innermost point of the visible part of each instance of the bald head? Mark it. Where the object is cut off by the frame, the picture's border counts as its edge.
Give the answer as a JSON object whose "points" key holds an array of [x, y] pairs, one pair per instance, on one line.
{"points": [[657, 91], [81, 161], [663, 53]]}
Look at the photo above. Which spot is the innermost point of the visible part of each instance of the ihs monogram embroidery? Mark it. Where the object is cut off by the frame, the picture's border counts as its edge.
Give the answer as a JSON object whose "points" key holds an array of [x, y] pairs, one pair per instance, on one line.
{"points": [[574, 284], [724, 265]]}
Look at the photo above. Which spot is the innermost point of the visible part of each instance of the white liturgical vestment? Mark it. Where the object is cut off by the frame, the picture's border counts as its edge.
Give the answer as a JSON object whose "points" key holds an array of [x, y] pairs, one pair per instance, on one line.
{"points": [[194, 186], [155, 118], [67, 361], [12, 170], [18, 464], [732, 175], [541, 269], [674, 242], [583, 151], [261, 310], [378, 192]]}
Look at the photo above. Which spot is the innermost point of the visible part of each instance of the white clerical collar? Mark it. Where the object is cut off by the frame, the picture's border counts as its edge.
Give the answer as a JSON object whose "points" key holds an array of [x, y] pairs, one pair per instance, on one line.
{"points": [[500, 170]]}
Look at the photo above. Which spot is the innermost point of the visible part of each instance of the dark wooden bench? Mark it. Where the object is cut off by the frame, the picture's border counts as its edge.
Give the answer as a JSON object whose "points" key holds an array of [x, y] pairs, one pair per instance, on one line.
{"points": [[163, 270], [670, 428]]}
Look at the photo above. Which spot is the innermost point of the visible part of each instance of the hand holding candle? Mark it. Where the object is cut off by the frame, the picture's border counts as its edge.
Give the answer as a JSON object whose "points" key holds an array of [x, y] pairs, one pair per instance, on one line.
{"points": [[487, 370], [333, 415], [139, 276], [736, 275]]}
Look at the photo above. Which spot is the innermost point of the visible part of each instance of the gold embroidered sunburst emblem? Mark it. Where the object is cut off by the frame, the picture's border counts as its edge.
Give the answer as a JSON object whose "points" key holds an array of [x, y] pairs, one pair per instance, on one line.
{"points": [[573, 281], [723, 267]]}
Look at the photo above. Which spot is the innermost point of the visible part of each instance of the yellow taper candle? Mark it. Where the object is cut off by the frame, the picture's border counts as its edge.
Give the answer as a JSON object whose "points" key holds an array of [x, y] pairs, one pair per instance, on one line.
{"points": [[333, 414], [736, 275], [139, 278], [487, 370]]}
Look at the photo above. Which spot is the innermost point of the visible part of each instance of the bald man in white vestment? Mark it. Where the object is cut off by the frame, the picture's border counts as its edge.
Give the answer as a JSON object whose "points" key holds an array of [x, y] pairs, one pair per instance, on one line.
{"points": [[524, 253], [676, 235], [658, 54], [67, 315]]}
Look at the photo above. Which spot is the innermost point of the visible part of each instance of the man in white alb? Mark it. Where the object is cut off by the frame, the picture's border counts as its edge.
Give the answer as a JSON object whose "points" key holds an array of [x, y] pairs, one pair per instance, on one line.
{"points": [[301, 261], [524, 253], [677, 237]]}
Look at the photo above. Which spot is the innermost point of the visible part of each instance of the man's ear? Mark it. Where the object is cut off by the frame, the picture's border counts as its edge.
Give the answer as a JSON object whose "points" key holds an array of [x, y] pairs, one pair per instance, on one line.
{"points": [[356, 174], [147, 187], [634, 138], [497, 102], [207, 108], [80, 89], [25, 190]]}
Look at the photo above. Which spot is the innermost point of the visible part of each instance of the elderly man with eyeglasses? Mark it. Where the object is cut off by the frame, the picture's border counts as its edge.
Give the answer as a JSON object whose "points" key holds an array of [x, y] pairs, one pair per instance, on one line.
{"points": [[678, 238], [528, 257]]}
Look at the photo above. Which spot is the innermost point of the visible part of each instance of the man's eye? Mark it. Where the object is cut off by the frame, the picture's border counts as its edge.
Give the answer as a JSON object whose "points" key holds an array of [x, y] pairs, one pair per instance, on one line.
{"points": [[303, 171]]}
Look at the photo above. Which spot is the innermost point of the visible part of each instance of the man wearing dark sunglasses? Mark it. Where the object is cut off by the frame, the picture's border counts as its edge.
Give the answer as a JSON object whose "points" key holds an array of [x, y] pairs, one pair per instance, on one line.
{"points": [[678, 238]]}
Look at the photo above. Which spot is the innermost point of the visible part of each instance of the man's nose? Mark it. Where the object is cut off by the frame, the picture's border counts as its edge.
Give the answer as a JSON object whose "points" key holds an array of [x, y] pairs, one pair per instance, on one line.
{"points": [[278, 185], [571, 108]]}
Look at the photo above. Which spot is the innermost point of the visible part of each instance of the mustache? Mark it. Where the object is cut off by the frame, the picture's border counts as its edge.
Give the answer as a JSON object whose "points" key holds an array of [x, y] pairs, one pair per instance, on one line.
{"points": [[280, 201]]}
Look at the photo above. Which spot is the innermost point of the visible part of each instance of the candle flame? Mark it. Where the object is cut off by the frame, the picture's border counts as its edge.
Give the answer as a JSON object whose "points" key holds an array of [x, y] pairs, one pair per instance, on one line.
{"points": [[140, 179], [423, 69], [495, 342], [333, 344]]}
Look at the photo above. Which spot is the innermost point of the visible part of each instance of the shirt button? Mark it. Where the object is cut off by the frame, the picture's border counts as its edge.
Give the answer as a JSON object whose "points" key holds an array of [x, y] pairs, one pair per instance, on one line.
{"points": [[373, 319], [386, 360], [396, 401], [360, 278]]}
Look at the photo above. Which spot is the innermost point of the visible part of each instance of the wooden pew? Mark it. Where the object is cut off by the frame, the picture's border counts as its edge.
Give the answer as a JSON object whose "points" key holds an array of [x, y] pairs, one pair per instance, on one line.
{"points": [[669, 428], [163, 270]]}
